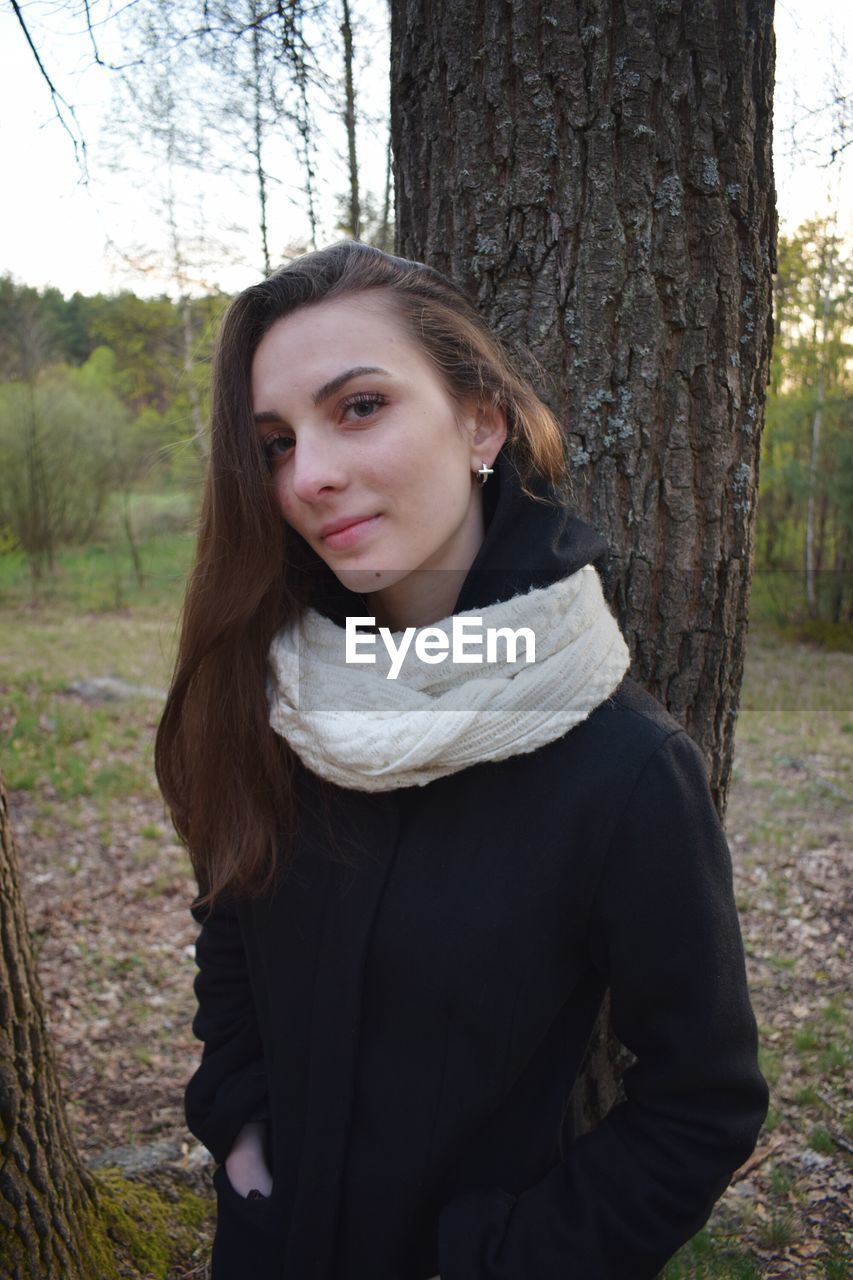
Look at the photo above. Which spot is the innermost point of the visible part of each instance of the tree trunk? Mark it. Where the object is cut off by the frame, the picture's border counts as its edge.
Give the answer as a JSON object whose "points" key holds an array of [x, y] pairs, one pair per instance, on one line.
{"points": [[597, 176], [821, 339], [385, 234], [49, 1224], [258, 89], [305, 128], [349, 120]]}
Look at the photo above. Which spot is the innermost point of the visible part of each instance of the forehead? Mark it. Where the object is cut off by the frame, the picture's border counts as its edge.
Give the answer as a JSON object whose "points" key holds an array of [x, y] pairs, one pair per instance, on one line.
{"points": [[305, 348]]}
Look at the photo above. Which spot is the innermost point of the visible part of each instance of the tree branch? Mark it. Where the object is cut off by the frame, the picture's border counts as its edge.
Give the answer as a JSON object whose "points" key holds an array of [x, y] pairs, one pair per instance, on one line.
{"points": [[78, 142]]}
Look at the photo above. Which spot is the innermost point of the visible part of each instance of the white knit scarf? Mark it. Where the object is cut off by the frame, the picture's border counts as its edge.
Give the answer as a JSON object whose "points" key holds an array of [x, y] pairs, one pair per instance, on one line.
{"points": [[357, 728]]}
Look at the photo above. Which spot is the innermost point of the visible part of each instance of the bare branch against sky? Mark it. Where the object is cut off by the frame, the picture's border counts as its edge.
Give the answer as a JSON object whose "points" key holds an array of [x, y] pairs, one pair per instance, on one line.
{"points": [[68, 121]]}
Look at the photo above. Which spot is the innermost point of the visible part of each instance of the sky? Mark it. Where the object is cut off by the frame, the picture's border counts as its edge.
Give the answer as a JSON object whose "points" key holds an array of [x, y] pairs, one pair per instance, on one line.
{"points": [[57, 230]]}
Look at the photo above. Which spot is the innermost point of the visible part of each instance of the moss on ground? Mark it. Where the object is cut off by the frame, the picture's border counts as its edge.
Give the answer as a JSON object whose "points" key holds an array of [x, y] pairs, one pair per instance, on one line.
{"points": [[155, 1230]]}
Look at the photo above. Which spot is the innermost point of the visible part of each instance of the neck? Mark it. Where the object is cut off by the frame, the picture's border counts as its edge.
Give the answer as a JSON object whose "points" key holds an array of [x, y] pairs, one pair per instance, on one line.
{"points": [[422, 597]]}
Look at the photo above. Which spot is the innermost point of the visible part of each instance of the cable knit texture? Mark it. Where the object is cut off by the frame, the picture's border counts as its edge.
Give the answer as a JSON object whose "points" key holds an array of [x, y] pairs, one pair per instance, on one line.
{"points": [[355, 727]]}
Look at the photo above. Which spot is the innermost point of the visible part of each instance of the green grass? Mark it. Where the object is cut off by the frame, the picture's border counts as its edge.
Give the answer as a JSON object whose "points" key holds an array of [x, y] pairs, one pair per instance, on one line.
{"points": [[77, 625], [837, 1261], [833, 1012], [53, 743], [781, 1181], [795, 771], [772, 1120], [708, 1257], [781, 962], [820, 1139], [770, 1063], [778, 600], [825, 1044], [779, 1231], [99, 578], [835, 1057]]}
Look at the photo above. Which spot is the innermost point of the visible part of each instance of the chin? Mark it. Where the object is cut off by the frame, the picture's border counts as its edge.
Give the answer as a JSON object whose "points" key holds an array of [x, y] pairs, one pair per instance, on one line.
{"points": [[364, 581]]}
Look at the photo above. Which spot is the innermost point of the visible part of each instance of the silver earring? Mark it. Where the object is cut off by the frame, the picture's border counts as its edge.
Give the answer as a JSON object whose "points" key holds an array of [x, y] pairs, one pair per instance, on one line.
{"points": [[484, 473]]}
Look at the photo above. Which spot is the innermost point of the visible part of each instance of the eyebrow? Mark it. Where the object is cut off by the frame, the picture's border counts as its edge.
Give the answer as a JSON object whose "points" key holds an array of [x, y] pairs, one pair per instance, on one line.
{"points": [[328, 388]]}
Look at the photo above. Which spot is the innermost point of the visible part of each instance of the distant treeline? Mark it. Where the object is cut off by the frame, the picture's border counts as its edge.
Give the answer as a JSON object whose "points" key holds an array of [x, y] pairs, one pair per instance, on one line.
{"points": [[100, 396], [155, 341], [112, 391]]}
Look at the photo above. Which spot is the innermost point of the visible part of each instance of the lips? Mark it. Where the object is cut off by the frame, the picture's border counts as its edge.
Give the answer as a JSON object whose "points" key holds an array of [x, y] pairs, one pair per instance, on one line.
{"points": [[346, 522], [352, 533]]}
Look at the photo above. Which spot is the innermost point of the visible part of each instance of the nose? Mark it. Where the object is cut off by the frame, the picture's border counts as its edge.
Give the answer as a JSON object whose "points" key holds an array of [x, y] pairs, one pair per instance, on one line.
{"points": [[316, 466]]}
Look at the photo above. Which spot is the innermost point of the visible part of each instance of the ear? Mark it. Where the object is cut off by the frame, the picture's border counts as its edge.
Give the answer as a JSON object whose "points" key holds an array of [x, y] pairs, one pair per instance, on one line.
{"points": [[489, 431]]}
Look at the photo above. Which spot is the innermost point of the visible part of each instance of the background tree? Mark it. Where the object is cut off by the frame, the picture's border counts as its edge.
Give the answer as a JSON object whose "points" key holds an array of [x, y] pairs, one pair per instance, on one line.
{"points": [[254, 53], [354, 209], [159, 105], [805, 510], [597, 176], [64, 443], [27, 341], [95, 388], [50, 1222]]}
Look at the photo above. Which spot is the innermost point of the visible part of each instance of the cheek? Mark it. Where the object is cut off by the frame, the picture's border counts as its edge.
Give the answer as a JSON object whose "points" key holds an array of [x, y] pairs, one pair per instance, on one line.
{"points": [[285, 502], [439, 506], [428, 466]]}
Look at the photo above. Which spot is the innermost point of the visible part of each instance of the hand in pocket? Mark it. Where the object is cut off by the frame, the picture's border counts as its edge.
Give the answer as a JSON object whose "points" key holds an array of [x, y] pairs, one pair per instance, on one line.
{"points": [[246, 1164]]}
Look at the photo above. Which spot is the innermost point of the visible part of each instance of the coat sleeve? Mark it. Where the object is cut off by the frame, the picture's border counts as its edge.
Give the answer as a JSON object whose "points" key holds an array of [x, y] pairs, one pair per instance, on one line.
{"points": [[665, 934], [230, 1085]]}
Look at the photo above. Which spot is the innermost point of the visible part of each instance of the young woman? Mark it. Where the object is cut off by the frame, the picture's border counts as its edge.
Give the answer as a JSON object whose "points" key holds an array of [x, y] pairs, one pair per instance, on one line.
{"points": [[420, 873]]}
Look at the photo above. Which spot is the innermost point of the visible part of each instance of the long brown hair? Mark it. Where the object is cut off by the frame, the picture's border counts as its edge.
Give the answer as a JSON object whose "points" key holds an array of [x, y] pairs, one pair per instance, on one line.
{"points": [[225, 775]]}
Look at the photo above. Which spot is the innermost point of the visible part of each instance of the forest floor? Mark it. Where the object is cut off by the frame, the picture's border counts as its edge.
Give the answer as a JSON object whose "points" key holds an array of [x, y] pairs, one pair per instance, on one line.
{"points": [[107, 890]]}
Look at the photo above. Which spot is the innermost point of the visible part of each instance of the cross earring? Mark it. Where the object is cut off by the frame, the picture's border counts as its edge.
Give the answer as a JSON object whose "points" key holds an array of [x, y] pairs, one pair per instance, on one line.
{"points": [[484, 473]]}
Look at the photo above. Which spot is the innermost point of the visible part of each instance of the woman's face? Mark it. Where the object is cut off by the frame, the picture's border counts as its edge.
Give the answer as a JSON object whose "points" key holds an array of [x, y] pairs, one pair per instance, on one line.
{"points": [[357, 426]]}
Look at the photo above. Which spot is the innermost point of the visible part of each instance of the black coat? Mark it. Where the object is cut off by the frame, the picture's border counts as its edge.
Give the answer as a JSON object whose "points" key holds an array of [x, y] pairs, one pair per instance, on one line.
{"points": [[412, 1021]]}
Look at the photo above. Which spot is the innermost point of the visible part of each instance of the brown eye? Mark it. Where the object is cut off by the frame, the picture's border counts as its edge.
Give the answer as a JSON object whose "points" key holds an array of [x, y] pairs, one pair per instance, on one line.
{"points": [[276, 447]]}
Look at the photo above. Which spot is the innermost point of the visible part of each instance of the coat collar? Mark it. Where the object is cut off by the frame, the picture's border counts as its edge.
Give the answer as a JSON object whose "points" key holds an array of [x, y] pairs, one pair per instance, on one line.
{"points": [[528, 543]]}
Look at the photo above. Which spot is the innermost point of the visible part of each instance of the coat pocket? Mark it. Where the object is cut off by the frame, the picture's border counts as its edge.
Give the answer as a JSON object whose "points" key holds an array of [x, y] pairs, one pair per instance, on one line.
{"points": [[231, 1203], [248, 1244]]}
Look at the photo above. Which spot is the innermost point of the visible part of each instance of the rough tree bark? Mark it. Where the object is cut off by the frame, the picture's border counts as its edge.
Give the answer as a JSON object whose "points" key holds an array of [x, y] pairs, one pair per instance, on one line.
{"points": [[49, 1222], [597, 175]]}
